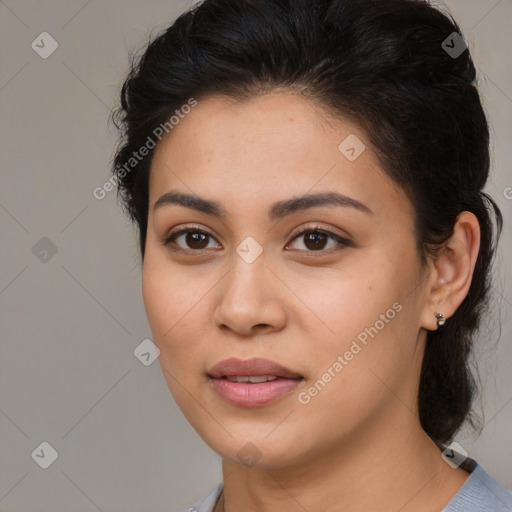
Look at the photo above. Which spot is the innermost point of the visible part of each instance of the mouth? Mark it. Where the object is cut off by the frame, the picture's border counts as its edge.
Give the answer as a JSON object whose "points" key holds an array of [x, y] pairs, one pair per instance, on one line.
{"points": [[253, 382]]}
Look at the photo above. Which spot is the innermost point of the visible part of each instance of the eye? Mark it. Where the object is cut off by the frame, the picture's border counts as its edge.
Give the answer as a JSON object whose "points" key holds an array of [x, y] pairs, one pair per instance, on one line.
{"points": [[315, 239], [192, 237]]}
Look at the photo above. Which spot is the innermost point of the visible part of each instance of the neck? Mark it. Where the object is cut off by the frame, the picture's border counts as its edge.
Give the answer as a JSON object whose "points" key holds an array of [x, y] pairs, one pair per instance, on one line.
{"points": [[389, 465]]}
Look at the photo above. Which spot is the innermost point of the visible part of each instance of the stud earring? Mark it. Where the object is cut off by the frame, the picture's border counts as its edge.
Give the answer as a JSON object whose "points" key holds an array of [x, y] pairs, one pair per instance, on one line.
{"points": [[441, 320]]}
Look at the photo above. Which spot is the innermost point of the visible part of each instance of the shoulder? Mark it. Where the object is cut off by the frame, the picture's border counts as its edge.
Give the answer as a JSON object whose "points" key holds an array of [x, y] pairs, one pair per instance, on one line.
{"points": [[207, 504], [480, 493]]}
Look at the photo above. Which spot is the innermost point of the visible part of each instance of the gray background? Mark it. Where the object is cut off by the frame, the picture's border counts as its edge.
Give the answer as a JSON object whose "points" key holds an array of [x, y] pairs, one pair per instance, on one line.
{"points": [[68, 374]]}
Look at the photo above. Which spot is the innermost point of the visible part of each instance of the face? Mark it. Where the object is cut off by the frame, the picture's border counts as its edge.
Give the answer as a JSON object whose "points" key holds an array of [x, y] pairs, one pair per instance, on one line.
{"points": [[338, 306]]}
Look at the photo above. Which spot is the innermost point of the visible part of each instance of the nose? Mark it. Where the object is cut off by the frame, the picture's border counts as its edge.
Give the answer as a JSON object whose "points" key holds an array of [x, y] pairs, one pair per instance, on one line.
{"points": [[250, 299]]}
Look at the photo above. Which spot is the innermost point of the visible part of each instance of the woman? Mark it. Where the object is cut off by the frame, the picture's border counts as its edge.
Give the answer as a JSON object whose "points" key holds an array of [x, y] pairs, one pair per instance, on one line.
{"points": [[306, 177]]}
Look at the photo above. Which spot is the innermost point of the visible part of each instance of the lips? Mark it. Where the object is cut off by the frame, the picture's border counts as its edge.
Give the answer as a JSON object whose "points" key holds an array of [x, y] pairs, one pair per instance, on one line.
{"points": [[252, 383], [251, 368]]}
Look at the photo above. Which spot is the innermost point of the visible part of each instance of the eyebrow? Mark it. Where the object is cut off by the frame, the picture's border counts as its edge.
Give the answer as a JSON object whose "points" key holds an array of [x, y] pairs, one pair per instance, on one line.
{"points": [[277, 210]]}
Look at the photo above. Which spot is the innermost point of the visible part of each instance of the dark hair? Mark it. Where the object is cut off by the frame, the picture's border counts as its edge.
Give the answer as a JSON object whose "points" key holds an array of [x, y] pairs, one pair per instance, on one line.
{"points": [[382, 64]]}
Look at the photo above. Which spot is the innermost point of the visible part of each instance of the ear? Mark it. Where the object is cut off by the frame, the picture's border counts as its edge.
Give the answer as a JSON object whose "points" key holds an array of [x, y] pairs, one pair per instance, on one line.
{"points": [[452, 271]]}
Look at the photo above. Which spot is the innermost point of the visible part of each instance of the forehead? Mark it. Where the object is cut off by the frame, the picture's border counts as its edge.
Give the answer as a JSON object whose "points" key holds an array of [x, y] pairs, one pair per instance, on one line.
{"points": [[267, 148], [221, 127]]}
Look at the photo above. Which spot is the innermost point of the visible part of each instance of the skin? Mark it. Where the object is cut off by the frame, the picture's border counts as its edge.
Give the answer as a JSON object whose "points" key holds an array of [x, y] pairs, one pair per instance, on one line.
{"points": [[358, 444]]}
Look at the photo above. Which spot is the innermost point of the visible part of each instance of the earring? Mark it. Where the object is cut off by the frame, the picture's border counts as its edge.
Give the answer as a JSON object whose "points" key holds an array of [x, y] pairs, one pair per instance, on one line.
{"points": [[441, 320]]}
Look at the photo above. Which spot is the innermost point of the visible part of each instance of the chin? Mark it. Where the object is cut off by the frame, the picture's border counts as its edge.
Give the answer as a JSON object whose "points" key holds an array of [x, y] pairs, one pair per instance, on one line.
{"points": [[252, 448]]}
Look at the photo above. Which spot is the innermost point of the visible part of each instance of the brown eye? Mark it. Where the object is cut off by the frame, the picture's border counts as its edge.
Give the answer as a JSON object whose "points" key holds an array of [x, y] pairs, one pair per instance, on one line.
{"points": [[317, 240], [196, 240], [192, 239]]}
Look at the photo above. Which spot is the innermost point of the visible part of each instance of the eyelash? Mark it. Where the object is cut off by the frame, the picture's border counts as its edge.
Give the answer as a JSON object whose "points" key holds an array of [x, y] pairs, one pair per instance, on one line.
{"points": [[168, 240]]}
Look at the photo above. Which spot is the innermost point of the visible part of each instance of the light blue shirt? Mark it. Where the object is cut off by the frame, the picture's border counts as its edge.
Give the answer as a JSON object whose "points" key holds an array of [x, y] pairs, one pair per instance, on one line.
{"points": [[480, 493]]}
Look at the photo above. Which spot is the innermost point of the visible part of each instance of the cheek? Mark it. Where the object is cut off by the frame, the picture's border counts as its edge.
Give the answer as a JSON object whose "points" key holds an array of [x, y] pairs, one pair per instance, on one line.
{"points": [[345, 302], [354, 382], [172, 309], [157, 295], [371, 341], [169, 296], [177, 309]]}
